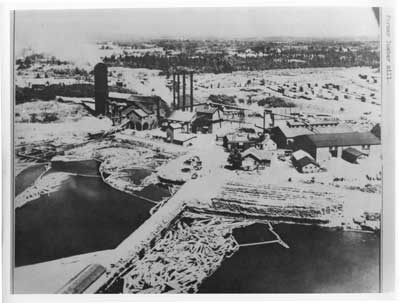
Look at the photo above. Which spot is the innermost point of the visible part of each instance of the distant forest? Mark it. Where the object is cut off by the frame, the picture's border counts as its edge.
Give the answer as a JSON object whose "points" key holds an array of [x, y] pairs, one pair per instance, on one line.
{"points": [[223, 63]]}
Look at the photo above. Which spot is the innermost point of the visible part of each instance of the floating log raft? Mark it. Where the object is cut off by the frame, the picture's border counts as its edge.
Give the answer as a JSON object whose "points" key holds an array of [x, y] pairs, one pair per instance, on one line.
{"points": [[184, 257], [45, 184]]}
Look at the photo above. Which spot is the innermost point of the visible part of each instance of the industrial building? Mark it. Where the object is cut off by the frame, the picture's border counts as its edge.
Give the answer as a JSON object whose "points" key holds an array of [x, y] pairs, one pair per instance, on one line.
{"points": [[323, 147], [206, 117], [202, 116], [185, 118], [144, 112], [140, 119], [284, 135]]}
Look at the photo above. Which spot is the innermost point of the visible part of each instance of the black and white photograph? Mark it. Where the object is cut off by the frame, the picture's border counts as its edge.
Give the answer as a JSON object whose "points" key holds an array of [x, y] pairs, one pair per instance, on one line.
{"points": [[197, 150]]}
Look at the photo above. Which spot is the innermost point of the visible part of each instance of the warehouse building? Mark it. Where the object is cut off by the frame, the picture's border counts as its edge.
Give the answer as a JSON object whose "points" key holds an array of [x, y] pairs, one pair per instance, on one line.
{"points": [[323, 147], [284, 135]]}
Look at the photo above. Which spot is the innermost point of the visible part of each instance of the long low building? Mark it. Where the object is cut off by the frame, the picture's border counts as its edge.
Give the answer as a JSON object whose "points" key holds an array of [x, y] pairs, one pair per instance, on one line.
{"points": [[284, 135], [323, 147]]}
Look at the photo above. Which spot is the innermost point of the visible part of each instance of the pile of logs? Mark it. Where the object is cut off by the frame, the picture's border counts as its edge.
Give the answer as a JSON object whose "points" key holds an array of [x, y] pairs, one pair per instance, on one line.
{"points": [[185, 256]]}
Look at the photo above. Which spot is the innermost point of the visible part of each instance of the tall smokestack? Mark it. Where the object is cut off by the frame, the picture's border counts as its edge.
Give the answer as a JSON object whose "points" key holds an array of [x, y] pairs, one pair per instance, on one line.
{"points": [[173, 90], [183, 91], [191, 91], [100, 88], [178, 92]]}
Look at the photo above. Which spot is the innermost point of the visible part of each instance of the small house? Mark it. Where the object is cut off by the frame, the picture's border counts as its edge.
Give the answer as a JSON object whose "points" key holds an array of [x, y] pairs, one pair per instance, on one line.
{"points": [[267, 144], [253, 159], [304, 162], [307, 165]]}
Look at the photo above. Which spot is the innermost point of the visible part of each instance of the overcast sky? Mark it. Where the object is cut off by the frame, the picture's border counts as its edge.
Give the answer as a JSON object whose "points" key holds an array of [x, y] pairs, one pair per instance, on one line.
{"points": [[49, 29]]}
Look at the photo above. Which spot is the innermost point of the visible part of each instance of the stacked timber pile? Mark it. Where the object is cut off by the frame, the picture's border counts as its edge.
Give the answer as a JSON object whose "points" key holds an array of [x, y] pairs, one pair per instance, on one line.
{"points": [[305, 204]]}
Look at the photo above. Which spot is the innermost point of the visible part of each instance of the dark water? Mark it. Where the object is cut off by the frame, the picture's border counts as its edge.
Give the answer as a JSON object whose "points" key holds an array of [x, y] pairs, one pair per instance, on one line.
{"points": [[318, 260], [85, 215], [155, 192], [83, 167]]}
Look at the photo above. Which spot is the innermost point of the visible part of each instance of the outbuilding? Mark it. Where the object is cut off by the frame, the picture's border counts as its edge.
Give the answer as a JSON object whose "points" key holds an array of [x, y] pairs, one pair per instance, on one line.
{"points": [[304, 162], [267, 144], [307, 165], [353, 155], [185, 118], [254, 158], [171, 130]]}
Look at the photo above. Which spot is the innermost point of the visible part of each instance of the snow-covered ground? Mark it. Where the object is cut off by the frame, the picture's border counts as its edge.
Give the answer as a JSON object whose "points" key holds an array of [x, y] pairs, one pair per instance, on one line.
{"points": [[62, 133], [364, 114]]}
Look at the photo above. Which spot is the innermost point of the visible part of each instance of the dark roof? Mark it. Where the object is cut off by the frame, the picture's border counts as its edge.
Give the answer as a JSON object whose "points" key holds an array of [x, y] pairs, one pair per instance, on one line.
{"points": [[340, 139], [145, 103], [354, 152], [305, 161], [289, 132]]}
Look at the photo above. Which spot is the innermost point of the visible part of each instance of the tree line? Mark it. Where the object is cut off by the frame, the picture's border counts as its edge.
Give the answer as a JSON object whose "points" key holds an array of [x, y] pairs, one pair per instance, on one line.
{"points": [[223, 63]]}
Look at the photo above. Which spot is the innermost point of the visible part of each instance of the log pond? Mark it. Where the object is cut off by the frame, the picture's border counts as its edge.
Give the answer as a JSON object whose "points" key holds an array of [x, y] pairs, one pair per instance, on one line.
{"points": [[318, 260], [84, 215]]}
